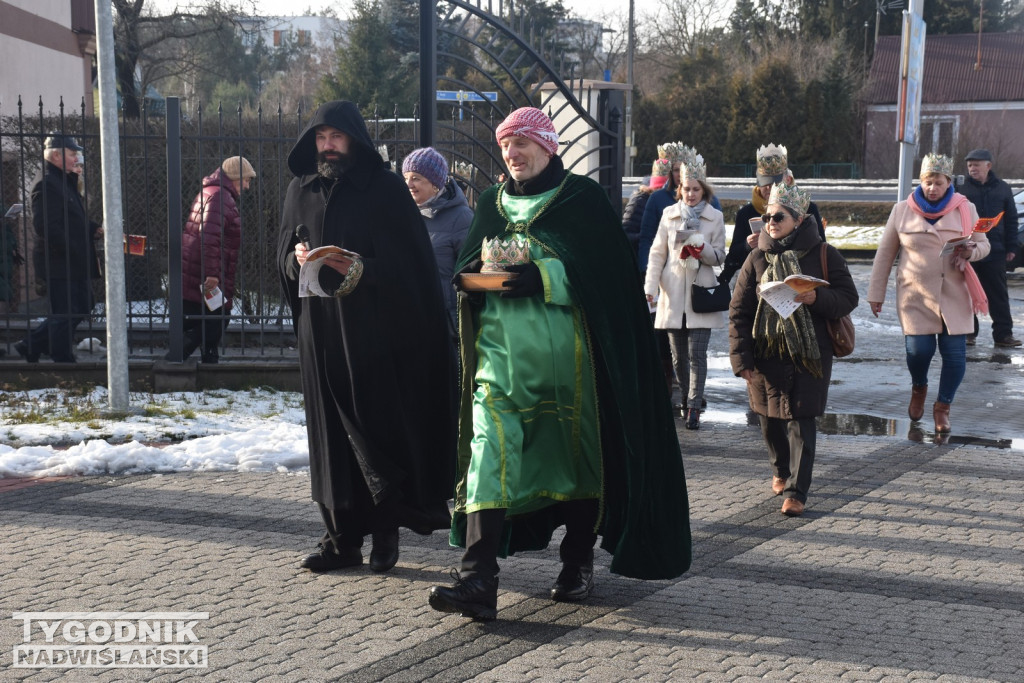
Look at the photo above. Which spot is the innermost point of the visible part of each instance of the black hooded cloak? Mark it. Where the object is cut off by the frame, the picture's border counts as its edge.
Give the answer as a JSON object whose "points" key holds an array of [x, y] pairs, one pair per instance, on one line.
{"points": [[377, 366]]}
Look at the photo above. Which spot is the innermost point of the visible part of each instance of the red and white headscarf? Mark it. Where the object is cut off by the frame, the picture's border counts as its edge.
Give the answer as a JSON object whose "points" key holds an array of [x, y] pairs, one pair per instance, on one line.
{"points": [[531, 123]]}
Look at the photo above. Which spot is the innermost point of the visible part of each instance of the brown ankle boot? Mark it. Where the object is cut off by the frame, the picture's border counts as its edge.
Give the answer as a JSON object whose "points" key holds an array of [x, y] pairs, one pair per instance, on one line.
{"points": [[941, 412], [917, 395]]}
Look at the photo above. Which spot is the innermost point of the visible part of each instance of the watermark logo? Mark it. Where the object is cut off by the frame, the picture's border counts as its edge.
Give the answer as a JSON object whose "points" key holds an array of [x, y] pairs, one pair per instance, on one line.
{"points": [[109, 640]]}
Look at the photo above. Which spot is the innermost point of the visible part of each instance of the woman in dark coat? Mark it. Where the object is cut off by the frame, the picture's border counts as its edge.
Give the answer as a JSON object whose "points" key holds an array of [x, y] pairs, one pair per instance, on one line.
{"points": [[787, 362]]}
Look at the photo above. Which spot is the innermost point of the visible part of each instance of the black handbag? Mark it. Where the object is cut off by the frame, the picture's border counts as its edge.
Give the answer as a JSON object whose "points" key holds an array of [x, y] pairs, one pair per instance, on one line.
{"points": [[710, 299]]}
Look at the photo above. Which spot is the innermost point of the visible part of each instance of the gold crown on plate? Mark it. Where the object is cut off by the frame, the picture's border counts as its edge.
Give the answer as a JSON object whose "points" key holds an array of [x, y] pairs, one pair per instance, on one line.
{"points": [[792, 196], [772, 159], [497, 254], [937, 163]]}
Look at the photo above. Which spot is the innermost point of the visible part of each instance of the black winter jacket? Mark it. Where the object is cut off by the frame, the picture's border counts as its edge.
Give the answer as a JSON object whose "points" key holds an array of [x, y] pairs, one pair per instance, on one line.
{"points": [[64, 234], [989, 198]]}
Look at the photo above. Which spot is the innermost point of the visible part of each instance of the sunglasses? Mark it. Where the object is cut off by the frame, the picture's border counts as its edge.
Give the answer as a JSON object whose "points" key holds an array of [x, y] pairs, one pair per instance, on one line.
{"points": [[777, 217]]}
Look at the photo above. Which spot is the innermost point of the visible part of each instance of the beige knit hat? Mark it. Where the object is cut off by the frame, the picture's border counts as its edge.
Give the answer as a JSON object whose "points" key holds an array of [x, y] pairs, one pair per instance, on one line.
{"points": [[237, 168]]}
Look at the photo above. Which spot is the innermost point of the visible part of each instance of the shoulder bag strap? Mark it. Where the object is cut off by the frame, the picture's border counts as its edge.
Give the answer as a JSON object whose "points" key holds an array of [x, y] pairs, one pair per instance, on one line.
{"points": [[824, 261]]}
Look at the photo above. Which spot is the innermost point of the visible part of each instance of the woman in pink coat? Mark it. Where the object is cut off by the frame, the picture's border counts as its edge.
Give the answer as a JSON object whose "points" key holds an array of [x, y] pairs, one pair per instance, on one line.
{"points": [[936, 295]]}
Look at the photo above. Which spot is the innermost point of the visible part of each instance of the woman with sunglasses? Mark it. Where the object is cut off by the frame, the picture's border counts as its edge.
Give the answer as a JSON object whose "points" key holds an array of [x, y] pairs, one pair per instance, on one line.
{"points": [[787, 362], [689, 243], [936, 295]]}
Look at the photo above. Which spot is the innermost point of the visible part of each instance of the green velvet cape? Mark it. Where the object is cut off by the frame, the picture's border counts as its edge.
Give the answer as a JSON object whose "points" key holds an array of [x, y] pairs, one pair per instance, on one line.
{"points": [[645, 519]]}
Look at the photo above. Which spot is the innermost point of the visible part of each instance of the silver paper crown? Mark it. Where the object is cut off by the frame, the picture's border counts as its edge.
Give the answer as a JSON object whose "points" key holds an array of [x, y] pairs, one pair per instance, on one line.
{"points": [[792, 196], [694, 170], [937, 163], [772, 159]]}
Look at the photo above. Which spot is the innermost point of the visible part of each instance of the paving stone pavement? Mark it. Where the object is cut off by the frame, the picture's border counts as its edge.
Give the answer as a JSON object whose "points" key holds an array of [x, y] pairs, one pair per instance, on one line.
{"points": [[908, 564]]}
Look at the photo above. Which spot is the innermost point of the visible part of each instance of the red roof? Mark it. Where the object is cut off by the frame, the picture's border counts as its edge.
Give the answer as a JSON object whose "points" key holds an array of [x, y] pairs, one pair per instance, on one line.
{"points": [[949, 69]]}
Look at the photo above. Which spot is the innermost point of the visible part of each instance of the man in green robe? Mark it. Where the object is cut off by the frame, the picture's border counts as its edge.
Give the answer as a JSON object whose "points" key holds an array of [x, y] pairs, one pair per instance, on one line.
{"points": [[564, 416]]}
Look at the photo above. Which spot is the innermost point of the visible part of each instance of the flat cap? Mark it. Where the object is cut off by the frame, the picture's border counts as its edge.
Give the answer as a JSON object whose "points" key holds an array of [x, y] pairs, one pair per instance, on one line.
{"points": [[57, 140], [978, 155]]}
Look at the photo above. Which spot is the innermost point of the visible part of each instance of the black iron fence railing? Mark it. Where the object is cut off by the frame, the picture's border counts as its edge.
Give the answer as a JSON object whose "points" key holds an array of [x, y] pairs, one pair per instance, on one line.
{"points": [[259, 324]]}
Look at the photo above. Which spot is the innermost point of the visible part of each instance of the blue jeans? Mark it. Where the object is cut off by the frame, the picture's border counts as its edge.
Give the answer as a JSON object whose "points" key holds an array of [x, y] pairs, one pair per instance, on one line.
{"points": [[952, 348]]}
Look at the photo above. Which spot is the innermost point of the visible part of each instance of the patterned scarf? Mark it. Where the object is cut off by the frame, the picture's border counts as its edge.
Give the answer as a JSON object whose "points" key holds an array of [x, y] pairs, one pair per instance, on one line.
{"points": [[920, 205], [791, 337]]}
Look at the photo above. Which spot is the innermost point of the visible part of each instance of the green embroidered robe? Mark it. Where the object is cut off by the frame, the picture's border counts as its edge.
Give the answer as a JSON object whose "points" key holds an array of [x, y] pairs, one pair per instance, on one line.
{"points": [[644, 520]]}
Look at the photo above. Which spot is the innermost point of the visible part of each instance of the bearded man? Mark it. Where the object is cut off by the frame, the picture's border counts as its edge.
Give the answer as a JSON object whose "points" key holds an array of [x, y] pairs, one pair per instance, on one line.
{"points": [[377, 368]]}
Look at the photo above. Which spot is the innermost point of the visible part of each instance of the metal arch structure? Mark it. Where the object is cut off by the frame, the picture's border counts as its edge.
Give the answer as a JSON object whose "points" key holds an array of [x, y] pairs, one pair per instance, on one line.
{"points": [[464, 37]]}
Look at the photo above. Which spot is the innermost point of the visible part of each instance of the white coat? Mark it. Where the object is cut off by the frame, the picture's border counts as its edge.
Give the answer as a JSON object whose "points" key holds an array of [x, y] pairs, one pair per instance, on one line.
{"points": [[669, 279]]}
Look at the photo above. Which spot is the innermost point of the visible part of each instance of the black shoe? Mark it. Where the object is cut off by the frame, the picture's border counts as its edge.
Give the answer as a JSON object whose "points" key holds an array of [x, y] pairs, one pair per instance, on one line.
{"points": [[22, 350], [476, 597], [693, 419], [324, 560], [573, 584], [384, 554], [1008, 342], [210, 359], [972, 340]]}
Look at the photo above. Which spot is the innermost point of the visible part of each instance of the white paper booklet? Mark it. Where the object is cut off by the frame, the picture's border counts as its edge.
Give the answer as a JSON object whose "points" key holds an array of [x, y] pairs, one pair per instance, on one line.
{"points": [[214, 298], [780, 295], [309, 273]]}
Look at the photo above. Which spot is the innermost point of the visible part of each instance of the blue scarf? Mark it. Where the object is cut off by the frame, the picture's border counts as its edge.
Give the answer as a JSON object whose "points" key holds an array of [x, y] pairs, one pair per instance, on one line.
{"points": [[928, 206]]}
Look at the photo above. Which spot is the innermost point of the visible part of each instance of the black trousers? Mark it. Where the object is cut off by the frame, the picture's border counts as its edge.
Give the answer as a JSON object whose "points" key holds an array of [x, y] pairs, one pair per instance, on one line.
{"points": [[70, 304], [201, 333], [484, 532], [343, 527], [791, 445], [992, 275]]}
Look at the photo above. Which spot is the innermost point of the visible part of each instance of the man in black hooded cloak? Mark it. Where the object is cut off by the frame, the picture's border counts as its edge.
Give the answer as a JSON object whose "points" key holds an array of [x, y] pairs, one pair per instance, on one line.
{"points": [[377, 369]]}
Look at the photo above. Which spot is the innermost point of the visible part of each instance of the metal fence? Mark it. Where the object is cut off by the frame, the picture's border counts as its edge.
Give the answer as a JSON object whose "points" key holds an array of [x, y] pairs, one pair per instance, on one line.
{"points": [[259, 324]]}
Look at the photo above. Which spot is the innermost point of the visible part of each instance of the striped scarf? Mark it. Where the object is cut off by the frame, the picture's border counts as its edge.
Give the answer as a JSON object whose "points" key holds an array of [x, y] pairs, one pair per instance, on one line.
{"points": [[791, 337]]}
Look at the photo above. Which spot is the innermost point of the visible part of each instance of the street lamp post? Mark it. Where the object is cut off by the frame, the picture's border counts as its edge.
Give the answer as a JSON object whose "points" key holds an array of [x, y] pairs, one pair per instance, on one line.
{"points": [[630, 46]]}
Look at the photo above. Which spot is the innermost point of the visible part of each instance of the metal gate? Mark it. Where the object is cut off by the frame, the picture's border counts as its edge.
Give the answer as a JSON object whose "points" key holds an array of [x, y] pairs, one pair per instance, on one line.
{"points": [[484, 56]]}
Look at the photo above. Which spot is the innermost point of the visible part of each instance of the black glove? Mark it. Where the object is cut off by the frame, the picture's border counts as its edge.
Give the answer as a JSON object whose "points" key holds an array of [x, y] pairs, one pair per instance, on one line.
{"points": [[473, 266], [528, 283]]}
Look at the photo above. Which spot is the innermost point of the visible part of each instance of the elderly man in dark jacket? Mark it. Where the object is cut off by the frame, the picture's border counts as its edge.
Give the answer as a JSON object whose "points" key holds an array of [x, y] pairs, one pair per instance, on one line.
{"points": [[64, 255], [990, 196], [375, 358]]}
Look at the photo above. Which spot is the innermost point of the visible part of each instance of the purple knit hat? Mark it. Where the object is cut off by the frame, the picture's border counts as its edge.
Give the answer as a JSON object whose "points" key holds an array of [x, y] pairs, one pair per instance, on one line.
{"points": [[429, 163]]}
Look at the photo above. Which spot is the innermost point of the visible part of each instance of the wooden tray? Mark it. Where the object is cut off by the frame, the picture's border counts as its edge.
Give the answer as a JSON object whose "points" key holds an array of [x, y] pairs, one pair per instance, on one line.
{"points": [[484, 282]]}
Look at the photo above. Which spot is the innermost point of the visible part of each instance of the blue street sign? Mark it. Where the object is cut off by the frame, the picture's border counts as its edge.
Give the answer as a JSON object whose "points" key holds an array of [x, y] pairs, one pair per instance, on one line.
{"points": [[465, 96]]}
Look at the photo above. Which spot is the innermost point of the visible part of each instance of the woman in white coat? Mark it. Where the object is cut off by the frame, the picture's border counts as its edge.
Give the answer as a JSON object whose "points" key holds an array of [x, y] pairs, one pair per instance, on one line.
{"points": [[689, 244]]}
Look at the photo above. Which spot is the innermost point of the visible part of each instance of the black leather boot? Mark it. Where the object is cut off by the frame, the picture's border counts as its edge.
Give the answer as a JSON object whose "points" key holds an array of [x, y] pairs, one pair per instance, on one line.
{"points": [[384, 554], [475, 593], [576, 579], [473, 596], [574, 582], [324, 559]]}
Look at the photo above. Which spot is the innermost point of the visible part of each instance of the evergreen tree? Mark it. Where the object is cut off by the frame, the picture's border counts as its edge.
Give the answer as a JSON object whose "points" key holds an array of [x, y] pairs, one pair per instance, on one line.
{"points": [[372, 66]]}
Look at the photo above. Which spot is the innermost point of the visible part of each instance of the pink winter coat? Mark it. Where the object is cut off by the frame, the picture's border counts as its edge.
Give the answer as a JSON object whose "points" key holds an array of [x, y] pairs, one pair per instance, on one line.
{"points": [[211, 239], [929, 291]]}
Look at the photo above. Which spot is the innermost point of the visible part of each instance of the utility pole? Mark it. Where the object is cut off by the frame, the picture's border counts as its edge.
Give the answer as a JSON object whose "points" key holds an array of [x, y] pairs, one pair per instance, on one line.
{"points": [[630, 47], [113, 219]]}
